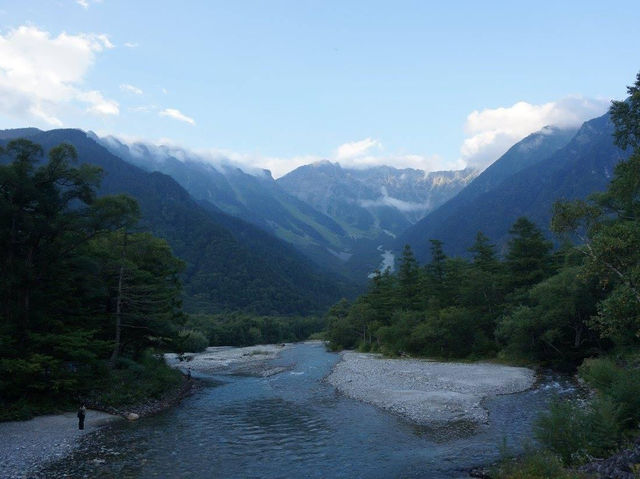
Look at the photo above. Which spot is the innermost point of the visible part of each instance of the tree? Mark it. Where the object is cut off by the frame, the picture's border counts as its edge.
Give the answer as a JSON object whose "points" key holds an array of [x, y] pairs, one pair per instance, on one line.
{"points": [[554, 326], [143, 294], [437, 265], [528, 259], [408, 278]]}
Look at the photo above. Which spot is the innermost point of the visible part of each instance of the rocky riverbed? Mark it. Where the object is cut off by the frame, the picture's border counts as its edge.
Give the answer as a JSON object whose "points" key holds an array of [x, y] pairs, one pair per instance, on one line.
{"points": [[428, 393]]}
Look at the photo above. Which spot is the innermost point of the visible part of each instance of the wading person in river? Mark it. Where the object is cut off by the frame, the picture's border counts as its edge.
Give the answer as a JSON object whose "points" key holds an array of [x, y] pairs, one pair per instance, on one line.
{"points": [[82, 412]]}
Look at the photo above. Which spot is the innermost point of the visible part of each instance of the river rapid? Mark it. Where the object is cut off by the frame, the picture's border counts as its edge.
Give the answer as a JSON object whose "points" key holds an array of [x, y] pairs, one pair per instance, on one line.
{"points": [[295, 425]]}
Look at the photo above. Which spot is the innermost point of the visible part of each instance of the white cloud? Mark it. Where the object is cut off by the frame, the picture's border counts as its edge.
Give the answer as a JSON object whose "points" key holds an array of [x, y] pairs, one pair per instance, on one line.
{"points": [[41, 75], [131, 89], [131, 45], [491, 132], [85, 3], [98, 104], [356, 149], [177, 115], [401, 205], [143, 108], [369, 152]]}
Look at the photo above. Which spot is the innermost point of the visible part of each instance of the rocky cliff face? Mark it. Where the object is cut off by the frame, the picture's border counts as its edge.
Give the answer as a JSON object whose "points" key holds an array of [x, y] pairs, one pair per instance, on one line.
{"points": [[375, 200]]}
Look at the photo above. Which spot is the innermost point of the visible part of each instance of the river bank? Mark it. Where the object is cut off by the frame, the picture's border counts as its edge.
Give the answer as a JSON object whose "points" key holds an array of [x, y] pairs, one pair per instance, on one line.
{"points": [[28, 446], [427, 393], [25, 446]]}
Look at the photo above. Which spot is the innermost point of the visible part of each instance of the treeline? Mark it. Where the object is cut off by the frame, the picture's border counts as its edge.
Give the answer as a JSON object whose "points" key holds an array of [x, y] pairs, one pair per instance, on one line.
{"points": [[533, 304], [240, 329], [85, 299]]}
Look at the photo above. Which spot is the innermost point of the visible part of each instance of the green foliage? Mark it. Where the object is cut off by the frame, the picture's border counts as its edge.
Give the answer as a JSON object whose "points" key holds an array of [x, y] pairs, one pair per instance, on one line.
{"points": [[240, 329], [609, 227], [534, 465], [554, 327], [69, 279], [563, 430], [132, 382], [576, 432], [599, 373], [190, 341], [529, 255], [621, 385], [451, 307], [594, 428], [626, 117]]}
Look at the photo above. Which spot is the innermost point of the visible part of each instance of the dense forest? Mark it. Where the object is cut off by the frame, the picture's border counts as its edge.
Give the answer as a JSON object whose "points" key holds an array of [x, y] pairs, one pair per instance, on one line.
{"points": [[577, 306], [84, 296]]}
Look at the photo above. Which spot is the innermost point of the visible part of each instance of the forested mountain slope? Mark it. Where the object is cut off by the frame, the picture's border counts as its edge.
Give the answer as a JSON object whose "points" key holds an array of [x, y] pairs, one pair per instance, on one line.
{"points": [[230, 264]]}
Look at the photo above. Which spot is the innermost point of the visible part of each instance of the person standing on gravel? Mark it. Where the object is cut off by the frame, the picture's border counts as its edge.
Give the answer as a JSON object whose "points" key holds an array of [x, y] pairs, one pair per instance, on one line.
{"points": [[82, 412]]}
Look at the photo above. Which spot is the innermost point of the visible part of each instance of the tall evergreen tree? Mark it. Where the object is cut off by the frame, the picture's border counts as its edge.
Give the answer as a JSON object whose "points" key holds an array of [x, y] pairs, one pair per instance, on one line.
{"points": [[408, 279], [529, 257]]}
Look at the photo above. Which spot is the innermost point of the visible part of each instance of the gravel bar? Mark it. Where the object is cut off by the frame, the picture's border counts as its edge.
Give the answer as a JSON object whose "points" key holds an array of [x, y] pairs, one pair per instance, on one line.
{"points": [[26, 446], [425, 392], [251, 360]]}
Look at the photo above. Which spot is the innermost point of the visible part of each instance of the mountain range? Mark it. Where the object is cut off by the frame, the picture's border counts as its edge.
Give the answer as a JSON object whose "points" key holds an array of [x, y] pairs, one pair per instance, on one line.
{"points": [[547, 166]]}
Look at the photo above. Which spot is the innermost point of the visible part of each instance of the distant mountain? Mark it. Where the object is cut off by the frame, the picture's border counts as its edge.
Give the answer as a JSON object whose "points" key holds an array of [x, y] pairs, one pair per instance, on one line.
{"points": [[370, 202], [546, 166], [231, 265], [340, 218], [252, 196]]}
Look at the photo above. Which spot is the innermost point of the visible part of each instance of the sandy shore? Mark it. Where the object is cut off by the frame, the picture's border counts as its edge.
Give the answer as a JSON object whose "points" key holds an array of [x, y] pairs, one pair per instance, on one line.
{"points": [[25, 446], [427, 392], [252, 360]]}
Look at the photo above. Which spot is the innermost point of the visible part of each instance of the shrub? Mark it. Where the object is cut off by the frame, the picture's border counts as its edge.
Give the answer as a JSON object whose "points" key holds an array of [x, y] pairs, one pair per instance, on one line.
{"points": [[191, 341], [618, 384], [599, 373], [563, 430], [604, 427], [534, 465]]}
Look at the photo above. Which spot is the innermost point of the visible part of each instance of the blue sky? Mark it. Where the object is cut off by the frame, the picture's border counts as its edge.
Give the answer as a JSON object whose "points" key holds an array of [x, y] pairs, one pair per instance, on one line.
{"points": [[276, 84]]}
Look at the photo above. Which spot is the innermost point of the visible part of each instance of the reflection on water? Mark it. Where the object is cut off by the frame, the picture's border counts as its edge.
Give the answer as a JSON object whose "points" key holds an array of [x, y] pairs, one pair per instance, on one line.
{"points": [[295, 425]]}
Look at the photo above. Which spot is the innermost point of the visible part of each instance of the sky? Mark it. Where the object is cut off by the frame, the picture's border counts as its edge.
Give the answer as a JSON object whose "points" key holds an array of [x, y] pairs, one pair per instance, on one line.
{"points": [[278, 84]]}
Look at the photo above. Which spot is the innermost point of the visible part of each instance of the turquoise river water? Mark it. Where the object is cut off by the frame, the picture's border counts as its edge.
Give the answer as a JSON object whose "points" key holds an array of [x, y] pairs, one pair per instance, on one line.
{"points": [[295, 425]]}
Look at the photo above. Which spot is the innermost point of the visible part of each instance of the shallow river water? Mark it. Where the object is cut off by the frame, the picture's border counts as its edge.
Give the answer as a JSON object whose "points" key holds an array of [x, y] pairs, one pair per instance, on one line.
{"points": [[295, 425]]}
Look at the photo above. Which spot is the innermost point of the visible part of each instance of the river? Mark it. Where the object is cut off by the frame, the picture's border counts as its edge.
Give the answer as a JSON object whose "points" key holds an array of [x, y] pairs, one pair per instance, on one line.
{"points": [[295, 425]]}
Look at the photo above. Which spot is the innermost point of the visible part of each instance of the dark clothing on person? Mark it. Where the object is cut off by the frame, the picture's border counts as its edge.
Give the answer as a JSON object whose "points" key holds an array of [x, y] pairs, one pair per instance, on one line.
{"points": [[81, 415]]}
